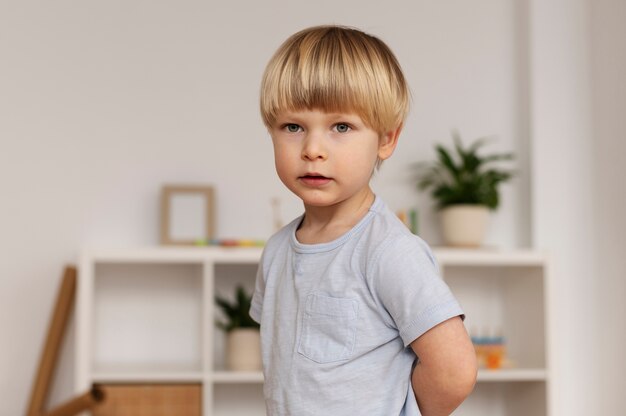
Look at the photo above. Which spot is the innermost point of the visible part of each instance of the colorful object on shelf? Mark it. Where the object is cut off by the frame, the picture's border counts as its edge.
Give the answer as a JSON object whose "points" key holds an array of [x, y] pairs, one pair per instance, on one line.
{"points": [[413, 221], [402, 217], [410, 221], [231, 243], [490, 351]]}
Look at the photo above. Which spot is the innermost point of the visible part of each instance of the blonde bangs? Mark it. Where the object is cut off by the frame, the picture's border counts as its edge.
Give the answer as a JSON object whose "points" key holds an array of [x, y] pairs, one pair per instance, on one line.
{"points": [[335, 69]]}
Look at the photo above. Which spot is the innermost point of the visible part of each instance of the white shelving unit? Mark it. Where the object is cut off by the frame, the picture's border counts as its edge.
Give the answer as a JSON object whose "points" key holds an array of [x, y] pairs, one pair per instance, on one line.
{"points": [[508, 292], [147, 316]]}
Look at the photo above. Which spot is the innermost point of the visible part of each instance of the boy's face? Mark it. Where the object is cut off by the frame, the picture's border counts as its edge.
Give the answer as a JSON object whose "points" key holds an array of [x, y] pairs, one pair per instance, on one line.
{"points": [[327, 158]]}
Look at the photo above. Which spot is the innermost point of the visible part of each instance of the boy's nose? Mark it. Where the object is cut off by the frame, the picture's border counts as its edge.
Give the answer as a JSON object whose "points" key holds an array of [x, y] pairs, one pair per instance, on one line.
{"points": [[313, 148]]}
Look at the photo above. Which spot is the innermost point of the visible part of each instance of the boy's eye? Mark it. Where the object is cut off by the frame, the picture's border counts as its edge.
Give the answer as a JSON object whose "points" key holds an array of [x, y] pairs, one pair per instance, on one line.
{"points": [[292, 128], [342, 128]]}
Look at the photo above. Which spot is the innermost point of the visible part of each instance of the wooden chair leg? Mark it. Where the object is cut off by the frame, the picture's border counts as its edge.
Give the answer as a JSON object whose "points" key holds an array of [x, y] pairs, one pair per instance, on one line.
{"points": [[78, 404], [50, 353], [48, 360]]}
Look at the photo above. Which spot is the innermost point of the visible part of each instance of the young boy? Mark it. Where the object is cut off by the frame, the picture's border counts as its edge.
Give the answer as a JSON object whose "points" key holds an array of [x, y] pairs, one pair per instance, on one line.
{"points": [[346, 296]]}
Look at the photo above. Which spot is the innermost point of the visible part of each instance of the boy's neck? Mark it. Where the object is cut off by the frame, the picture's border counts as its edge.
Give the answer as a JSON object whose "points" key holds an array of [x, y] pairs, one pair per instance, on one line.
{"points": [[325, 224]]}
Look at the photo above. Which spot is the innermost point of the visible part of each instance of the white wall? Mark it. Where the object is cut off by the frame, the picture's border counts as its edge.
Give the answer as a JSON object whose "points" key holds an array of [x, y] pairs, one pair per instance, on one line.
{"points": [[102, 102], [608, 66], [562, 189], [578, 139]]}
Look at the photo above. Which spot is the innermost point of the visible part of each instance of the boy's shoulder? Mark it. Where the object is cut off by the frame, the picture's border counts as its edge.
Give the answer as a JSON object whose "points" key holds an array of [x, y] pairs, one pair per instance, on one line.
{"points": [[388, 234], [386, 226], [385, 222]]}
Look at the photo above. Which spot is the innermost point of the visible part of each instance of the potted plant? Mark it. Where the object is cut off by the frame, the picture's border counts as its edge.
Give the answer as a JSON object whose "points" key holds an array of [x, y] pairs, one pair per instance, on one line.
{"points": [[465, 186], [243, 343]]}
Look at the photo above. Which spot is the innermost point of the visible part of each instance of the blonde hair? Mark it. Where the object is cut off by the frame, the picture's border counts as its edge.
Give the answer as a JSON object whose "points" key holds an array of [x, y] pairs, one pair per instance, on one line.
{"points": [[336, 69]]}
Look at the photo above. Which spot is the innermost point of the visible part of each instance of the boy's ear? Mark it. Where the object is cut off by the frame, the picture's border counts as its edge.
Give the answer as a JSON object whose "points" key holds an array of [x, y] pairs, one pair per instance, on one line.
{"points": [[388, 143]]}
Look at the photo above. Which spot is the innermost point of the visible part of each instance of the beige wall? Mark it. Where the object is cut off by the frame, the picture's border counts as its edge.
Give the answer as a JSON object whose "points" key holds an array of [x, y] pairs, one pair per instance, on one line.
{"points": [[608, 66], [562, 190], [578, 139]]}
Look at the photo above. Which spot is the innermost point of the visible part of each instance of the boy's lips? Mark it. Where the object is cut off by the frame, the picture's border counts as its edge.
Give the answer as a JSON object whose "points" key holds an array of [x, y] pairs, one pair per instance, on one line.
{"points": [[314, 179]]}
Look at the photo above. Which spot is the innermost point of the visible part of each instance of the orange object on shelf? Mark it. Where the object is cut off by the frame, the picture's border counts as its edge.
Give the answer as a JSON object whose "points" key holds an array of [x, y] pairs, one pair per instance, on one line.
{"points": [[490, 352], [494, 356]]}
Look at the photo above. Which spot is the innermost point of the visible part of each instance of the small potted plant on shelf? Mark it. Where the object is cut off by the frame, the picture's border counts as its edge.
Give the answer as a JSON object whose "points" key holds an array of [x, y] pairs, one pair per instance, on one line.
{"points": [[243, 351], [465, 186]]}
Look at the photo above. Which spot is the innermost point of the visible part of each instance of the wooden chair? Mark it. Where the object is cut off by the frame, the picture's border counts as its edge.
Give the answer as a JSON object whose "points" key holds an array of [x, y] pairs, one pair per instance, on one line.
{"points": [[49, 356]]}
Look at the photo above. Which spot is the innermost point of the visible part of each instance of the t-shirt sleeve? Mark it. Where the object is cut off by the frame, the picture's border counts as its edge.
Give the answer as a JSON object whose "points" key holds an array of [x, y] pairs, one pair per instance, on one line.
{"points": [[256, 307], [408, 286]]}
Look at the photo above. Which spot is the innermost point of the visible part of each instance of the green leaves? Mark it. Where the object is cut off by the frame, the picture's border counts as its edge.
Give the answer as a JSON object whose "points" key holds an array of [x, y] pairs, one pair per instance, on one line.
{"points": [[463, 177], [237, 313]]}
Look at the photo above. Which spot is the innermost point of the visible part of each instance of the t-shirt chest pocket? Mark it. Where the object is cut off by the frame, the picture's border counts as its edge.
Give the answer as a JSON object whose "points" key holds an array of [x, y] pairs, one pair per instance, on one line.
{"points": [[328, 328]]}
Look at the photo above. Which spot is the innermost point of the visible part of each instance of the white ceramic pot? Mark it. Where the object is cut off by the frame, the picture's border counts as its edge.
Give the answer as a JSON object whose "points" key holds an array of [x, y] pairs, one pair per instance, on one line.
{"points": [[244, 350], [464, 225]]}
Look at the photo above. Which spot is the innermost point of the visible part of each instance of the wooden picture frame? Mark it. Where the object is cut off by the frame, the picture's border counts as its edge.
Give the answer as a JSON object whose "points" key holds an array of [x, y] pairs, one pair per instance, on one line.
{"points": [[187, 214]]}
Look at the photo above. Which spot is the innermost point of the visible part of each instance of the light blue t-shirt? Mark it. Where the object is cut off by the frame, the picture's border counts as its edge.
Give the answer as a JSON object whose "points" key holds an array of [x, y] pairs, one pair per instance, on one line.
{"points": [[337, 318]]}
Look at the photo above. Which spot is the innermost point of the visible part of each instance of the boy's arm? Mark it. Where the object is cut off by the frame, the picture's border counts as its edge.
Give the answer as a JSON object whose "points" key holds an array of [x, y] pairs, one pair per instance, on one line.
{"points": [[446, 371]]}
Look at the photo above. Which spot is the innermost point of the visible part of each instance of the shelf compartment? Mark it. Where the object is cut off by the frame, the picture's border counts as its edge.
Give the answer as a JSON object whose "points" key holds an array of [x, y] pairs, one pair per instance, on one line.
{"points": [[147, 316], [521, 398], [506, 299], [238, 399], [227, 277]]}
